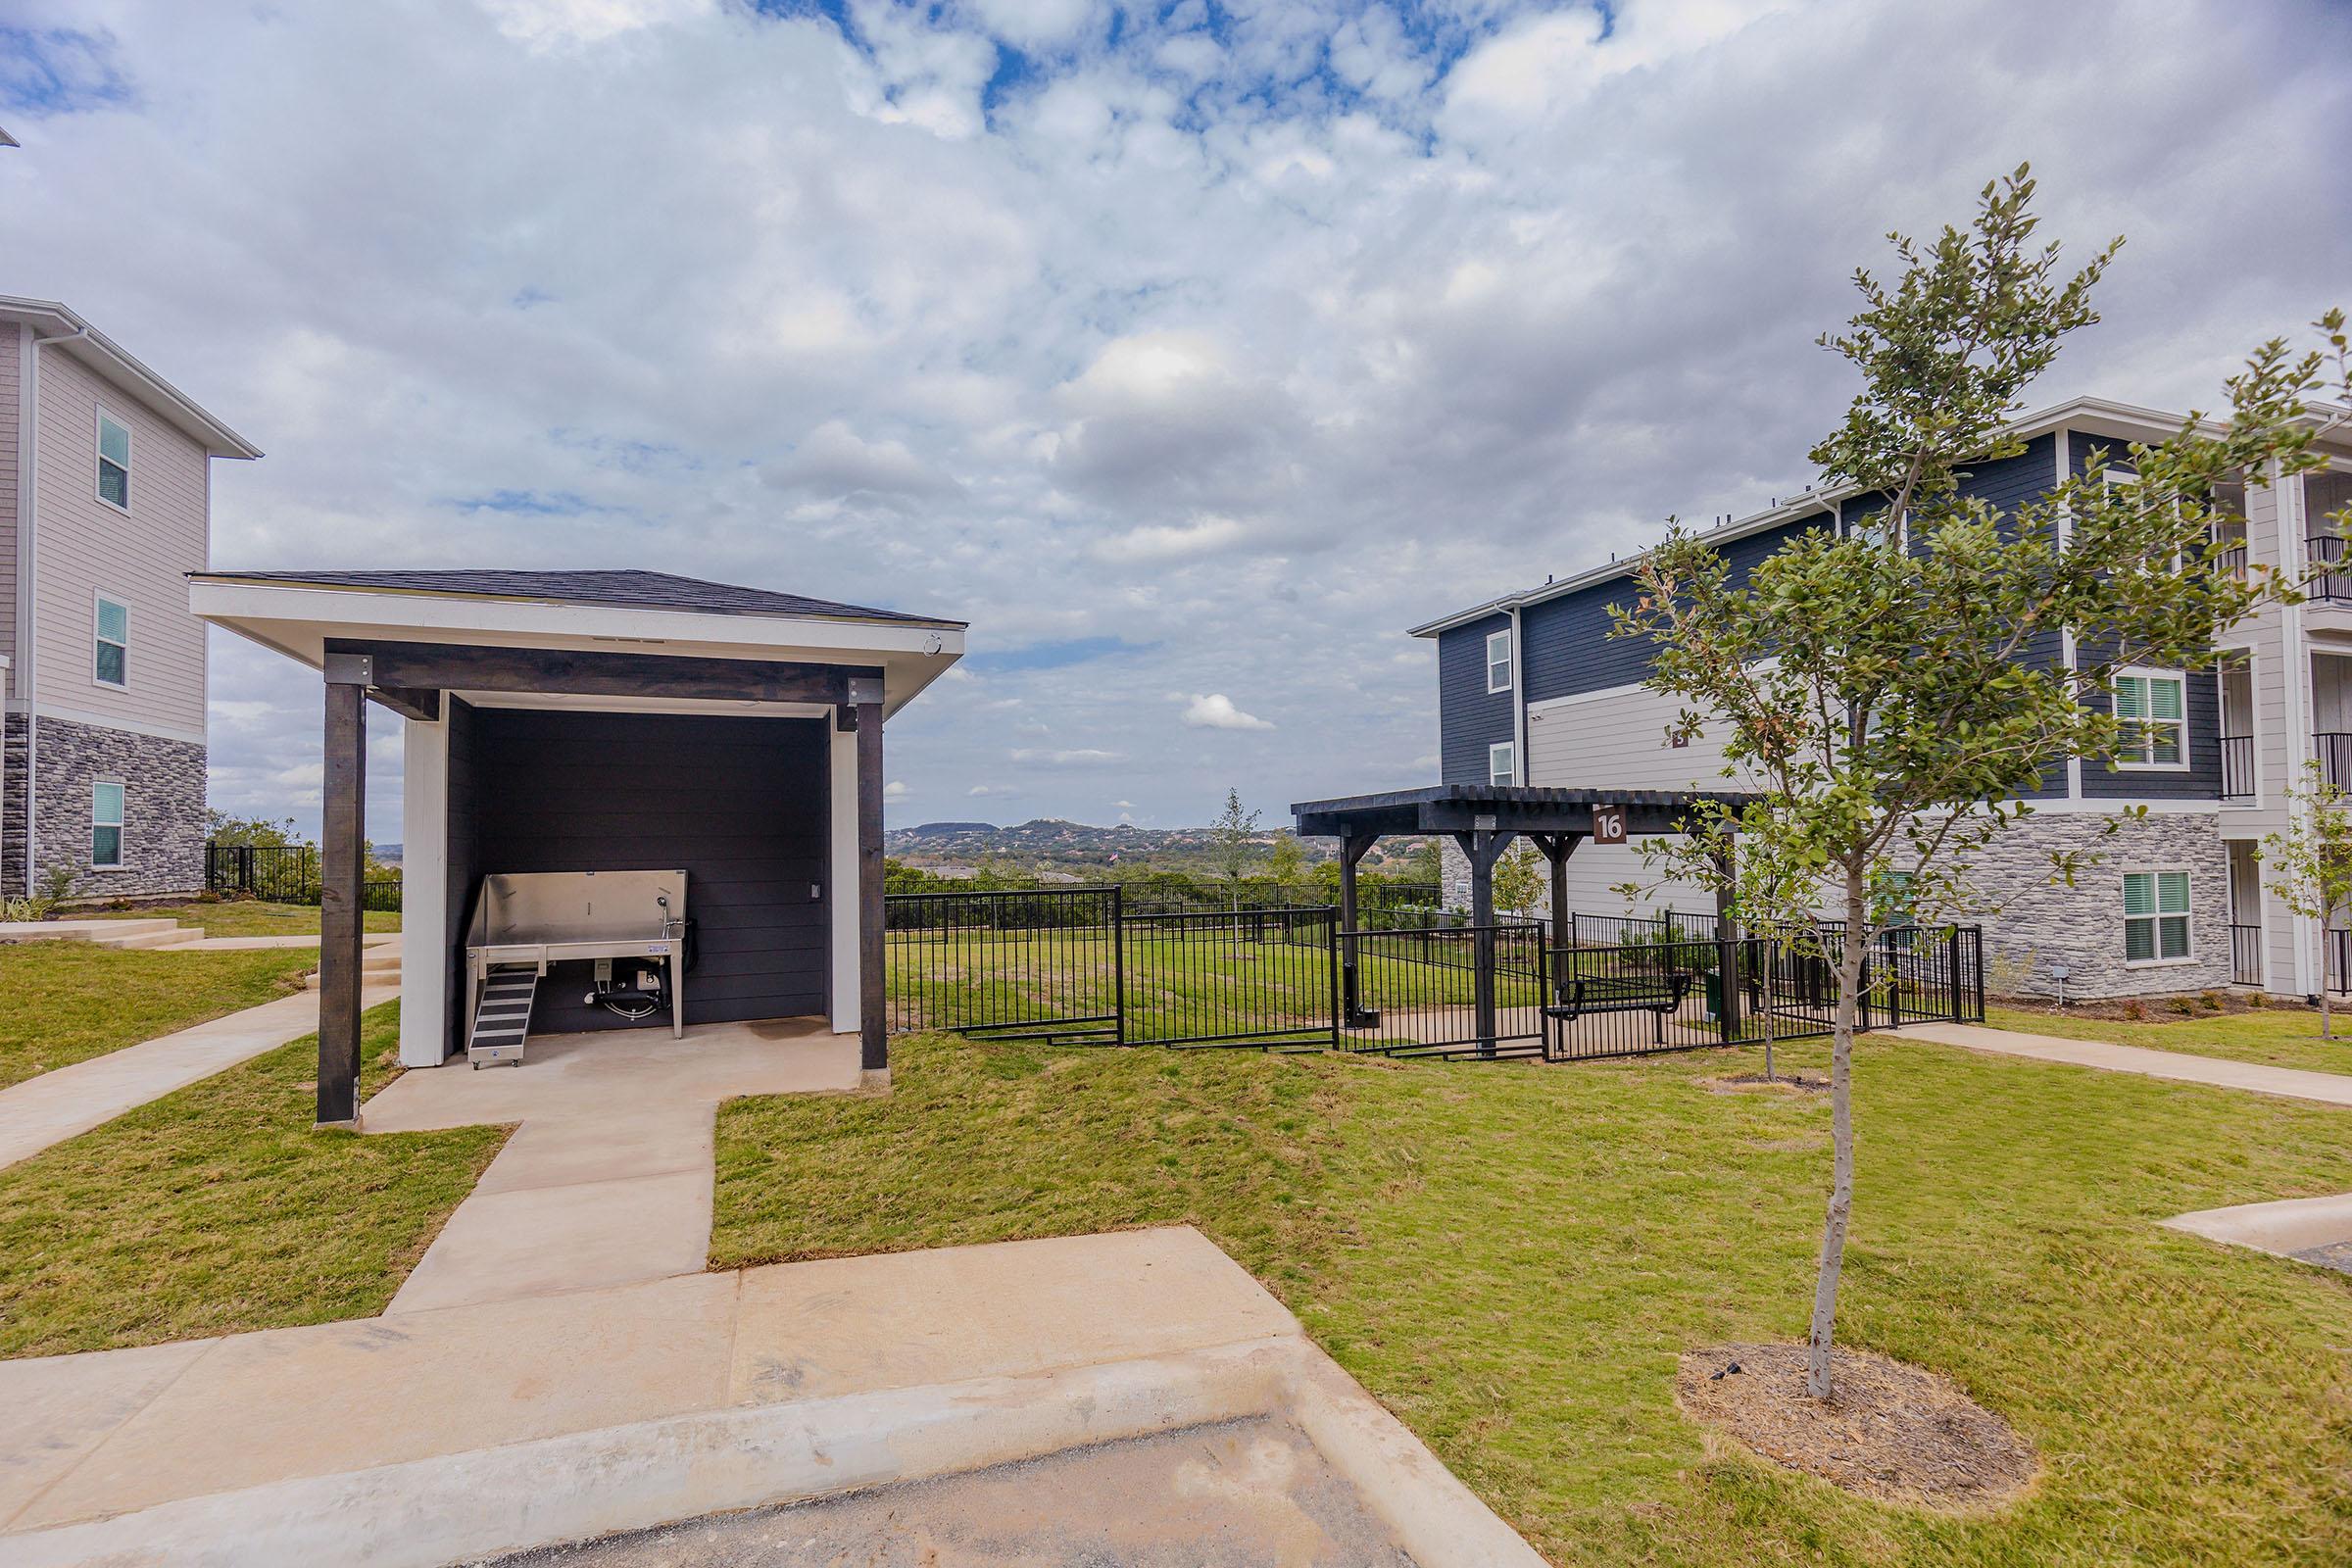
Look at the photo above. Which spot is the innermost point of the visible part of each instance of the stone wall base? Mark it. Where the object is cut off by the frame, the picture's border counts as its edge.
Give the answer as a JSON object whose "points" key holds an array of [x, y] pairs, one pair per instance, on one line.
{"points": [[163, 818]]}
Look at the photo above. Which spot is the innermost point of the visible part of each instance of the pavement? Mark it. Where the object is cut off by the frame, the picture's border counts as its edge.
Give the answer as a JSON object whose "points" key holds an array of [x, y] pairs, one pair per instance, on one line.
{"points": [[464, 1431], [608, 1179], [70, 1101], [2326, 1088]]}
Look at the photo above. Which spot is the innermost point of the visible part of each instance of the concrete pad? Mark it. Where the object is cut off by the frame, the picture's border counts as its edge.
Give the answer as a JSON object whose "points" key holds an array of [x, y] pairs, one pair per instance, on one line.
{"points": [[656, 1142], [810, 1330], [64, 1406], [2289, 1228], [314, 1402], [539, 1241], [61, 1104], [2326, 1088]]}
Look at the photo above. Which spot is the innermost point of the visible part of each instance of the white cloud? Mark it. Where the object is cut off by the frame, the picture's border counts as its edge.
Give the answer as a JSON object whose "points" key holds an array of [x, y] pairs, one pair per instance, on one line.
{"points": [[896, 790], [544, 23], [1216, 712], [1079, 757], [1166, 542]]}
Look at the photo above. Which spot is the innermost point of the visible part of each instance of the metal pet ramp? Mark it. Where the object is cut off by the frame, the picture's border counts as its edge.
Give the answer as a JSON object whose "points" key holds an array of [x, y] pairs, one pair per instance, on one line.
{"points": [[503, 1016]]}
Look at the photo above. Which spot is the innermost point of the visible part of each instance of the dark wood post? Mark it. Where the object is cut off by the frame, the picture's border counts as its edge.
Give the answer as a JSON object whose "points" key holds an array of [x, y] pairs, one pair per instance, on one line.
{"points": [[1483, 846], [341, 876], [1352, 849], [1727, 945], [1556, 848], [874, 1022]]}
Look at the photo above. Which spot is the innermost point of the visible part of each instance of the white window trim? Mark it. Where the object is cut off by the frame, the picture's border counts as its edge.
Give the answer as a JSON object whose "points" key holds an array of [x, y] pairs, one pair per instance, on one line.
{"points": [[121, 828], [1510, 666], [131, 448], [1510, 746], [99, 598], [2189, 914], [2149, 673]]}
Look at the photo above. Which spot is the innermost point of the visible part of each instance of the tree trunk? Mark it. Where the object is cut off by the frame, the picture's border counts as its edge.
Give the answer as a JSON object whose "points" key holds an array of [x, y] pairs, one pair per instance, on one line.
{"points": [[1851, 946], [1768, 955]]}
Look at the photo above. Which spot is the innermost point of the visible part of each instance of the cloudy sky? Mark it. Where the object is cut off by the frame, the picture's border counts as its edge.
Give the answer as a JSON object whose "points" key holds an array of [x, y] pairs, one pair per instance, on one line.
{"points": [[1189, 352]]}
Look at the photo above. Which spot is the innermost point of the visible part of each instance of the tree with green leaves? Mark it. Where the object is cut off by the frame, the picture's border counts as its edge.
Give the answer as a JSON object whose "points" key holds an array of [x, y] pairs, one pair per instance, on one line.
{"points": [[2309, 864], [1230, 842], [261, 832], [1518, 880], [1887, 689], [1287, 865]]}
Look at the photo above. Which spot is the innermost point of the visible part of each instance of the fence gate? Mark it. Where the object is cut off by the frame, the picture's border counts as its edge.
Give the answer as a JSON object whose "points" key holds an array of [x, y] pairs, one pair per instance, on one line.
{"points": [[1231, 977]]}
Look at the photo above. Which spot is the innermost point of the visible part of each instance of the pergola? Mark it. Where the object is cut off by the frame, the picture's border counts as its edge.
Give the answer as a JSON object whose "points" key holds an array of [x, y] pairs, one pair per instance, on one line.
{"points": [[1484, 819]]}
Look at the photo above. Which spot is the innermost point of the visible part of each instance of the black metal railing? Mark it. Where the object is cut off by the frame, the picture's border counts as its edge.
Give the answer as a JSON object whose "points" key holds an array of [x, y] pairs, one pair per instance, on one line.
{"points": [[2229, 540], [2245, 955], [2332, 576], [2334, 752], [1258, 977], [2237, 768], [1039, 964], [1416, 991], [284, 873]]}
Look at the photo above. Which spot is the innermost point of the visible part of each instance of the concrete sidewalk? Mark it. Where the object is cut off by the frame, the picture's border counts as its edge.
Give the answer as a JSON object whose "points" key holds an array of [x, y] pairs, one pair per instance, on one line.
{"points": [[439, 1436], [2326, 1088], [72, 1099], [610, 1178]]}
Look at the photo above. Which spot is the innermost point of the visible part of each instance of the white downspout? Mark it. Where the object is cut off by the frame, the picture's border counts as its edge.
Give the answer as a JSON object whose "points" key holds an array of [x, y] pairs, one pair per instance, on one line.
{"points": [[1521, 767], [2294, 552], [29, 550]]}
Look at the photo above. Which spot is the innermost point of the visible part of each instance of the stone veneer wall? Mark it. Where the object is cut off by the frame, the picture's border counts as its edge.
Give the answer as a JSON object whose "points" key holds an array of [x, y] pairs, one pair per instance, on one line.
{"points": [[2031, 923], [162, 818], [13, 736]]}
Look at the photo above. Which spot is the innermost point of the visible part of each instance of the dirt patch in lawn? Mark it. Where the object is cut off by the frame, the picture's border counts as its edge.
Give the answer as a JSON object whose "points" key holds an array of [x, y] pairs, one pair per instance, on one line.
{"points": [[1748, 1083], [1891, 1432]]}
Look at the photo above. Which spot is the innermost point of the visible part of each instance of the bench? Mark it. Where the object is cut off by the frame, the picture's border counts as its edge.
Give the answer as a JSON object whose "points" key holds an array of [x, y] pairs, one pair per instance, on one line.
{"points": [[1658, 993]]}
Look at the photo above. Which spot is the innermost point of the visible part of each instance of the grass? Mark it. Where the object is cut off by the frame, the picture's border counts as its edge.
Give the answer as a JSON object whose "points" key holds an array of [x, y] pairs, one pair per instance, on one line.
{"points": [[219, 1208], [1512, 1257], [248, 918], [71, 1001], [2276, 1037]]}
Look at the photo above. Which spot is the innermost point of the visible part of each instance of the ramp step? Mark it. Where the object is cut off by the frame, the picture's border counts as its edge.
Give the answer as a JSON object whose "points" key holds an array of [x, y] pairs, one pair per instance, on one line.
{"points": [[502, 1017]]}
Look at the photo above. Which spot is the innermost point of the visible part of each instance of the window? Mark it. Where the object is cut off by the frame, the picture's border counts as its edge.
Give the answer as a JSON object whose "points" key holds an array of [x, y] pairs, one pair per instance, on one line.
{"points": [[114, 462], [2155, 916], [1502, 763], [2153, 708], [112, 654], [106, 825], [1498, 662]]}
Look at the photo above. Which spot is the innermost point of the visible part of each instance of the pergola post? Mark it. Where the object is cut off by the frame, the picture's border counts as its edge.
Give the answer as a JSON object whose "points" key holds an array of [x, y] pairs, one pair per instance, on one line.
{"points": [[1556, 848], [874, 1022], [1352, 848], [1727, 943], [341, 880], [1483, 846]]}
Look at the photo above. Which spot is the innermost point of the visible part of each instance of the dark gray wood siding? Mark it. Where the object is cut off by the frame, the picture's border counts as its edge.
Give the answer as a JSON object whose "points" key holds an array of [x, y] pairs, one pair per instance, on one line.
{"points": [[1471, 718], [739, 804]]}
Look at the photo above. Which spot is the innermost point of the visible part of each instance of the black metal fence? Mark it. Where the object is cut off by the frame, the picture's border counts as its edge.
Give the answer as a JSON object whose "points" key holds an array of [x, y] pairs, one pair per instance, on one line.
{"points": [[1083, 965], [283, 874], [2245, 955]]}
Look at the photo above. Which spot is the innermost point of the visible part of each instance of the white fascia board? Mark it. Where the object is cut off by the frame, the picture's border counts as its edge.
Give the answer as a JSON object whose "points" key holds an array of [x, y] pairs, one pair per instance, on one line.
{"points": [[114, 363]]}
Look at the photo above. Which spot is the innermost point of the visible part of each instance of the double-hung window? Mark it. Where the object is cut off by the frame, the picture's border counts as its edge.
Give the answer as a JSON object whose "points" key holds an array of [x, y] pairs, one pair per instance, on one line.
{"points": [[111, 655], [106, 825], [114, 461], [2155, 916], [2153, 706], [1503, 764], [1498, 662]]}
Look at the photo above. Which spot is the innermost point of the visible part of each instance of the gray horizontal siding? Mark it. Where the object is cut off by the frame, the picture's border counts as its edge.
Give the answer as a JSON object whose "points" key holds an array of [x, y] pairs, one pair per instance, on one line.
{"points": [[1470, 718]]}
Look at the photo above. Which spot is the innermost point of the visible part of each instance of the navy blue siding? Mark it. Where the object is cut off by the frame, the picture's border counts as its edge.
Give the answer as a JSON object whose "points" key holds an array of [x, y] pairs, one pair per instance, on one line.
{"points": [[2009, 483], [1470, 718]]}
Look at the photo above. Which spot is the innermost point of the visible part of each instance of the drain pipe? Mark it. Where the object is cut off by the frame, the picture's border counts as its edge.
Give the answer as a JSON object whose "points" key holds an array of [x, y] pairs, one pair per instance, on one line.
{"points": [[28, 531]]}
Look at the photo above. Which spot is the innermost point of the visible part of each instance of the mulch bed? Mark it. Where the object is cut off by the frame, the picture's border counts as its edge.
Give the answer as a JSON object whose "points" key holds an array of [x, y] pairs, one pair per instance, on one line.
{"points": [[1893, 1432], [1790, 1082], [2161, 1010]]}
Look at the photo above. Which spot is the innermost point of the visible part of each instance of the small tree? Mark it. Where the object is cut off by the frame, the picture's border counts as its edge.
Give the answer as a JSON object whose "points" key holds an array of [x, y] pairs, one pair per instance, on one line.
{"points": [[1888, 688], [1230, 842], [1287, 866], [1518, 880], [2310, 862], [260, 832]]}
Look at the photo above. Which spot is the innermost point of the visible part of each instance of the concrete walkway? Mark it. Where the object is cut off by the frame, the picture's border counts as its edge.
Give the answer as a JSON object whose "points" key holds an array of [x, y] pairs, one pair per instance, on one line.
{"points": [[72, 1099], [2309, 1230], [2328, 1088], [610, 1178], [442, 1436]]}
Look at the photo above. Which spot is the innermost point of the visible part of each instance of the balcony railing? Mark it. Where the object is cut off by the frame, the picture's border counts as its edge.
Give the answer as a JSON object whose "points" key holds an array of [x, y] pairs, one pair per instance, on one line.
{"points": [[2334, 752], [2237, 768], [2245, 955], [2333, 578], [2231, 557]]}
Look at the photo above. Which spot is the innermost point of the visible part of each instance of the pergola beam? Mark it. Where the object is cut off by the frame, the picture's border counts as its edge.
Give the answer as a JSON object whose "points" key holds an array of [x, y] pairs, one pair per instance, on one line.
{"points": [[390, 667]]}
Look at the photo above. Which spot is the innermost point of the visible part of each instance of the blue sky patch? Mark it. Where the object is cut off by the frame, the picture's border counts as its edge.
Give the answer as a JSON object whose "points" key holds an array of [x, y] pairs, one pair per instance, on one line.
{"points": [[57, 70], [1055, 655]]}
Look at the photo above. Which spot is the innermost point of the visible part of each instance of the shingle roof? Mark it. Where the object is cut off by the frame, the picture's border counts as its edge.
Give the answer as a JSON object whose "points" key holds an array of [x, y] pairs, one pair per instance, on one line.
{"points": [[636, 590]]}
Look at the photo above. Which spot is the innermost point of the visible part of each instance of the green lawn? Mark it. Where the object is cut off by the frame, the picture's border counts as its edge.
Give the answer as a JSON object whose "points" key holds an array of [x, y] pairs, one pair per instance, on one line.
{"points": [[219, 1208], [249, 917], [1512, 1257], [68, 1001], [2277, 1036]]}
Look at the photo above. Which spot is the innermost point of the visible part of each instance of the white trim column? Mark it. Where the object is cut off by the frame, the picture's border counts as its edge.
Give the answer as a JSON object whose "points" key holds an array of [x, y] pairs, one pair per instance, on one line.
{"points": [[424, 937]]}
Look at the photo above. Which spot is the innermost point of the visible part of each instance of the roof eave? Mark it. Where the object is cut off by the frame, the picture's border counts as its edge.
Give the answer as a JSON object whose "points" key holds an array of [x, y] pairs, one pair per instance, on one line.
{"points": [[397, 591], [192, 418]]}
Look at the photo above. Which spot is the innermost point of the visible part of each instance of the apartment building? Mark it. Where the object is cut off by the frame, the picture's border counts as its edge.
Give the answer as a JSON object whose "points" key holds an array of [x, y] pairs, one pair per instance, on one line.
{"points": [[105, 506], [1532, 690]]}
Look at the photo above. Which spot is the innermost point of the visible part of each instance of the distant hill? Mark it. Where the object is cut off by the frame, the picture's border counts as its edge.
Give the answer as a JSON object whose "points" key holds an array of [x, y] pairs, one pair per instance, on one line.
{"points": [[1049, 844]]}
